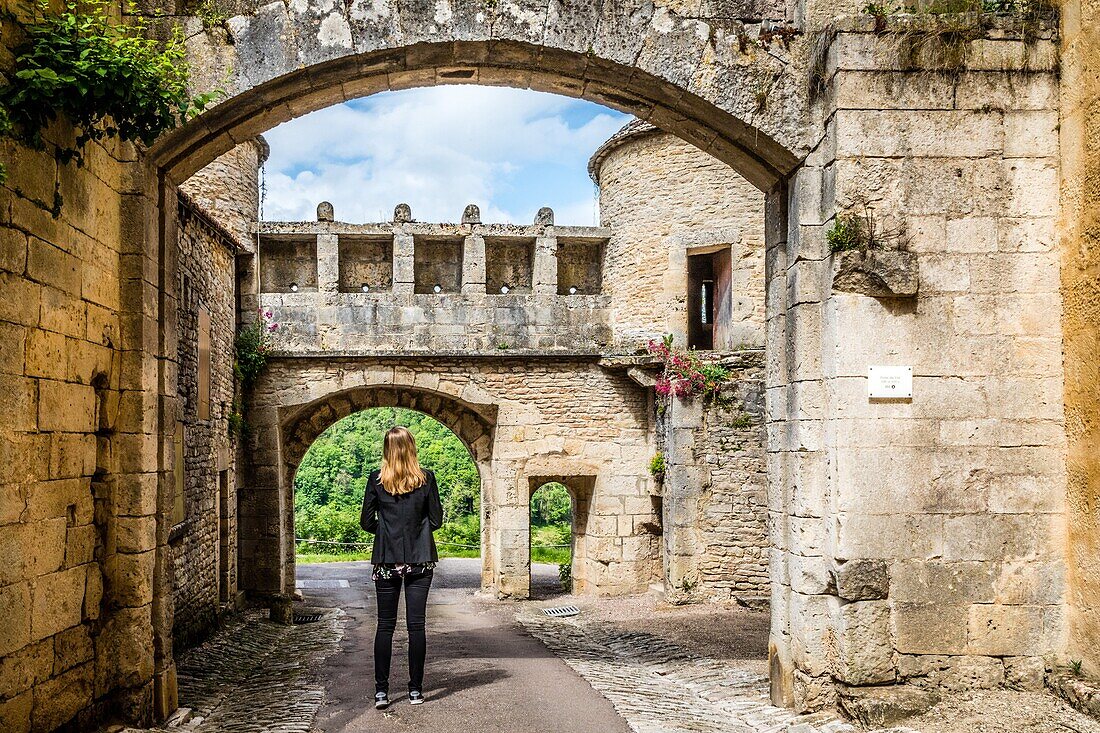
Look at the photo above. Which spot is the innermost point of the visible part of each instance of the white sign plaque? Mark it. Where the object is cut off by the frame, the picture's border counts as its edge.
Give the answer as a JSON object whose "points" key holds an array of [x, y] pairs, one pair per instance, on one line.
{"points": [[890, 382]]}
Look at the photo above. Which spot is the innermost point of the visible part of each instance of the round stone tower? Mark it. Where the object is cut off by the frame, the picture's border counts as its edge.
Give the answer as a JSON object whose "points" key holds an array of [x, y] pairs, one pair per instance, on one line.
{"points": [[687, 253], [229, 188]]}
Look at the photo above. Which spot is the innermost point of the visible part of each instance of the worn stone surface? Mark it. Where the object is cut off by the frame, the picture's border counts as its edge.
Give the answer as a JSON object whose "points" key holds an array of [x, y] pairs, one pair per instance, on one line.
{"points": [[880, 274], [1078, 118], [658, 686], [228, 189], [863, 580], [255, 676], [878, 706]]}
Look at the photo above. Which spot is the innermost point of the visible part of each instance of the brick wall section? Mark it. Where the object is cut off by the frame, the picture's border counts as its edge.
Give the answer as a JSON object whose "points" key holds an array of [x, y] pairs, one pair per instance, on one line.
{"points": [[733, 521], [715, 490], [663, 196], [206, 281]]}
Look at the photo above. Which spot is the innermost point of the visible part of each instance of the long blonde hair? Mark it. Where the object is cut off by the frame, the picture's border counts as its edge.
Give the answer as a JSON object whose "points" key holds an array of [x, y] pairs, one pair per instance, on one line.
{"points": [[401, 471]]}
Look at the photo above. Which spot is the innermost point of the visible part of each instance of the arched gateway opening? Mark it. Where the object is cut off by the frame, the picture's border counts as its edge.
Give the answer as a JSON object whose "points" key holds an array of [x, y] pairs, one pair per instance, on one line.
{"points": [[279, 75], [331, 481], [301, 427]]}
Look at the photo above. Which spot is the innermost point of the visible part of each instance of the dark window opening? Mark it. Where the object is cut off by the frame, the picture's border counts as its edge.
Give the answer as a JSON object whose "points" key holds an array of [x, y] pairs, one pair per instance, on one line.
{"points": [[708, 300]]}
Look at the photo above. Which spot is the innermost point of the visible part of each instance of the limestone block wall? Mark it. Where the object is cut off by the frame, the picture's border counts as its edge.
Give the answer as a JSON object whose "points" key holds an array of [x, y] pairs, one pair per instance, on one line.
{"points": [[714, 492], [78, 449], [203, 536], [1080, 158], [923, 540], [398, 311], [663, 199], [564, 417]]}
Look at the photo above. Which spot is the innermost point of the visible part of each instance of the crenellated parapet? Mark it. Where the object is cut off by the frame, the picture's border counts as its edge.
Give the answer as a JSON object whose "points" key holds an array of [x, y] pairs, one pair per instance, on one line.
{"points": [[405, 286]]}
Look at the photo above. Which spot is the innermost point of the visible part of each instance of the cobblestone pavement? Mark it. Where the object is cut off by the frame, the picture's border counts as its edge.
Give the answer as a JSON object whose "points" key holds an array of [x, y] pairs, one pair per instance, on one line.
{"points": [[486, 674], [255, 676], [660, 687]]}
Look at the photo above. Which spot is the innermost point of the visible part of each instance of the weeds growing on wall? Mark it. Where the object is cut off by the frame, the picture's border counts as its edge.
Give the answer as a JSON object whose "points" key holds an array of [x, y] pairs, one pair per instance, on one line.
{"points": [[106, 79], [657, 466], [686, 375], [861, 231], [935, 36], [252, 347], [565, 576], [211, 13]]}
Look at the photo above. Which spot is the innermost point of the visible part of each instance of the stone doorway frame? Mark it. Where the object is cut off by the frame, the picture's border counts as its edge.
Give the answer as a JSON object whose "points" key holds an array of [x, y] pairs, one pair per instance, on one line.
{"points": [[581, 488]]}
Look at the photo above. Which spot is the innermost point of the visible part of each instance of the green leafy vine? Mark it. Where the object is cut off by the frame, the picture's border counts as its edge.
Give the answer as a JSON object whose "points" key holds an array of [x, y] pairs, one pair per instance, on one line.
{"points": [[106, 79]]}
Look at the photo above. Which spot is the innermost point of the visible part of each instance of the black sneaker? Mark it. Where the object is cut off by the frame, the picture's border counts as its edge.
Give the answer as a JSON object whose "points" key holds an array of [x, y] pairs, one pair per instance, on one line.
{"points": [[381, 700], [416, 697]]}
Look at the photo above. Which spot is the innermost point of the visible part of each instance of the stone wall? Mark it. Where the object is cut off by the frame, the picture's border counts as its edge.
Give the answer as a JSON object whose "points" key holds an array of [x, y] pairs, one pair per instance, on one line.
{"points": [[921, 540], [714, 490], [663, 199], [229, 188], [877, 508], [203, 537], [400, 312], [565, 418], [78, 530], [1080, 146]]}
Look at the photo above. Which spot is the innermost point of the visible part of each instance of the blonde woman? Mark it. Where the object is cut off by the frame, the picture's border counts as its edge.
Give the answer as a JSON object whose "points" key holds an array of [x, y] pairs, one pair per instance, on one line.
{"points": [[402, 508]]}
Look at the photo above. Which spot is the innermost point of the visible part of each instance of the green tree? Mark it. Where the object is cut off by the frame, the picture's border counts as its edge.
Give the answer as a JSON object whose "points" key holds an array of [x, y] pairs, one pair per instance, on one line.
{"points": [[332, 476], [551, 505]]}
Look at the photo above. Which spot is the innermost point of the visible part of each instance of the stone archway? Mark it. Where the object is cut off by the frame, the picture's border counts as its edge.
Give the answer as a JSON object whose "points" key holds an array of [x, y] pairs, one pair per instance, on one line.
{"points": [[300, 425], [694, 74], [285, 64], [693, 77]]}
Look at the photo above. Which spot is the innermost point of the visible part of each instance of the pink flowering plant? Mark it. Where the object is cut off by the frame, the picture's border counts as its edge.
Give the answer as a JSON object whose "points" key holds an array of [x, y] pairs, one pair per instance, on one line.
{"points": [[254, 341], [686, 375]]}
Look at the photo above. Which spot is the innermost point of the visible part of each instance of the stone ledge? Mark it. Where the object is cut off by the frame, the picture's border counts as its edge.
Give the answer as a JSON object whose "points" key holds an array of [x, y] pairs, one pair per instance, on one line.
{"points": [[439, 354], [881, 706], [877, 273], [988, 25], [1082, 694], [297, 229]]}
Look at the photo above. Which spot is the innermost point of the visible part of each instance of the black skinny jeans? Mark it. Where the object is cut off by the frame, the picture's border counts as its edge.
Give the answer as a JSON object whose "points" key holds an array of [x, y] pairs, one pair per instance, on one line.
{"points": [[416, 601]]}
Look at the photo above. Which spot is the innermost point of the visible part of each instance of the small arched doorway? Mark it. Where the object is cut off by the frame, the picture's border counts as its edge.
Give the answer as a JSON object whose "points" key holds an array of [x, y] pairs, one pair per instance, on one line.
{"points": [[559, 527]]}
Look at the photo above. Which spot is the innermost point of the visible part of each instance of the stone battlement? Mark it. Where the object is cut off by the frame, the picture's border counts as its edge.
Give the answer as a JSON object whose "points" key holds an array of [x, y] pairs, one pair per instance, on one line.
{"points": [[406, 286]]}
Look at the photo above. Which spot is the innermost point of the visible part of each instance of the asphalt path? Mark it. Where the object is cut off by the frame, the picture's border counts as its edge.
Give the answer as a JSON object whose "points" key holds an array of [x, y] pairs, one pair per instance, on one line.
{"points": [[484, 673]]}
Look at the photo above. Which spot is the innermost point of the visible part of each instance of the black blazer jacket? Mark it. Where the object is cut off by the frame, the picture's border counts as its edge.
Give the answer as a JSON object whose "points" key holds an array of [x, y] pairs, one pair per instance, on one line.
{"points": [[402, 524]]}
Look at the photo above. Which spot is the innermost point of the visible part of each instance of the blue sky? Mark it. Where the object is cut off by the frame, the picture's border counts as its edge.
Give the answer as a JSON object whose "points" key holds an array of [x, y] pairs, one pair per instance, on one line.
{"points": [[510, 151]]}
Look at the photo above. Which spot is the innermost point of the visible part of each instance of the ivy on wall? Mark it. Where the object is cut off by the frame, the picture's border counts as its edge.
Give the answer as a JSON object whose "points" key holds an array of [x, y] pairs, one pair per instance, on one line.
{"points": [[104, 78]]}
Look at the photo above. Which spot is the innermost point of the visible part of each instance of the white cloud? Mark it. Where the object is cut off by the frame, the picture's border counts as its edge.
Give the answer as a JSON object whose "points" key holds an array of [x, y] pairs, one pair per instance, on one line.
{"points": [[438, 149]]}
